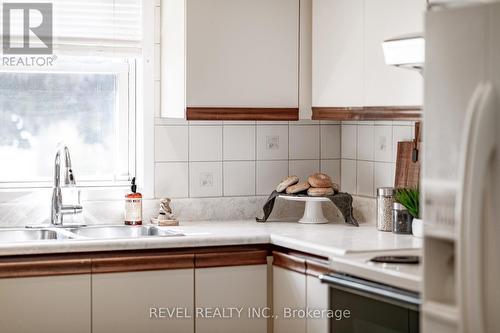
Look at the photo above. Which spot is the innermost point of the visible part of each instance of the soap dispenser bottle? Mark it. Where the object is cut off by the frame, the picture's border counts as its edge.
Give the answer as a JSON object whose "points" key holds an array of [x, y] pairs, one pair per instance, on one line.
{"points": [[133, 206]]}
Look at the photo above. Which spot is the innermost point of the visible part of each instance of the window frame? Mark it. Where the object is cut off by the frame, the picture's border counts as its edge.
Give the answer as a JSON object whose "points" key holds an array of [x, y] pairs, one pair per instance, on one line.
{"points": [[127, 87]]}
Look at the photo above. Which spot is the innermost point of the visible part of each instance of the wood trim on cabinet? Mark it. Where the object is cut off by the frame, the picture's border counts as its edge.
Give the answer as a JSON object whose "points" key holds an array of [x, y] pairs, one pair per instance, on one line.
{"points": [[242, 113], [221, 259], [367, 113], [146, 262], [289, 262], [317, 268], [31, 266]]}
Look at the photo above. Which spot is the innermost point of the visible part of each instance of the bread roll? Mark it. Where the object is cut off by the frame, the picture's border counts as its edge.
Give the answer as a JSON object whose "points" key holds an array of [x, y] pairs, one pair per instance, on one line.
{"points": [[287, 181], [297, 188], [320, 180], [319, 191]]}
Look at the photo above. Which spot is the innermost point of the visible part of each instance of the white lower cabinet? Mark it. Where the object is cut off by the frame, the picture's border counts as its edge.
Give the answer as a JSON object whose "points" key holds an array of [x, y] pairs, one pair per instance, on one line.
{"points": [[294, 294], [129, 301], [289, 298], [317, 299], [52, 304], [241, 288]]}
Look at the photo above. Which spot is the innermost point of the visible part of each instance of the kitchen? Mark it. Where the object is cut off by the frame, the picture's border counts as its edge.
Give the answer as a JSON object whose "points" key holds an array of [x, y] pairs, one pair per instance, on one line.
{"points": [[252, 165]]}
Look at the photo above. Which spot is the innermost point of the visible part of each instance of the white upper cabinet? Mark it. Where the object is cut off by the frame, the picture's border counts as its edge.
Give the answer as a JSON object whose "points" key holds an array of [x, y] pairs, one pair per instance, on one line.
{"points": [[242, 53], [348, 63], [387, 85], [337, 53]]}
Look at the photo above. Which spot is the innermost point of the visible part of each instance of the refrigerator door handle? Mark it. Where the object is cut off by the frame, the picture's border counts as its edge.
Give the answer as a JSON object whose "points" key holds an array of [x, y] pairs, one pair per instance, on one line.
{"points": [[478, 149]]}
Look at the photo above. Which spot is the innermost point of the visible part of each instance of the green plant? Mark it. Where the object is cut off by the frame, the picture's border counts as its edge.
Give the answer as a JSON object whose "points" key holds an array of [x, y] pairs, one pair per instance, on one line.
{"points": [[409, 197]]}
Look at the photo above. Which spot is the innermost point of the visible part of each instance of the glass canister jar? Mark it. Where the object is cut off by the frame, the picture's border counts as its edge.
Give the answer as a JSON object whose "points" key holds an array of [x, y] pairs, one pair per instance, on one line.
{"points": [[401, 219], [385, 200]]}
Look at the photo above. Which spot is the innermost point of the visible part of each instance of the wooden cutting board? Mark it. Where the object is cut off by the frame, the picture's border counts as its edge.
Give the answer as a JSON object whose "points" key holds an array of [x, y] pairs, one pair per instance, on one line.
{"points": [[408, 162]]}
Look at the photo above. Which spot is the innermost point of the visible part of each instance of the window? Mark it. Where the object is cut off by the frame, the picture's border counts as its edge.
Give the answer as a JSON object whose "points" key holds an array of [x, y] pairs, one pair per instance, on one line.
{"points": [[85, 98], [88, 105]]}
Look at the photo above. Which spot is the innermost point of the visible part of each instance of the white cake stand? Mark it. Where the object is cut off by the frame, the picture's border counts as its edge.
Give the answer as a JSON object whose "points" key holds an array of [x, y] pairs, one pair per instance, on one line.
{"points": [[313, 211]]}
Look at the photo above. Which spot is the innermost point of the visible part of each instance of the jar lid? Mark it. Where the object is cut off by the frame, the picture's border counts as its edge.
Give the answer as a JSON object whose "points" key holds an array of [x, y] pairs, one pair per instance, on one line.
{"points": [[398, 206], [385, 191]]}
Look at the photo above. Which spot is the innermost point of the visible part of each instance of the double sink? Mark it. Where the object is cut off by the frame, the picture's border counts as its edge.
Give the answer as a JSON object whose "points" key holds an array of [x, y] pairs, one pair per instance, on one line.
{"points": [[80, 233]]}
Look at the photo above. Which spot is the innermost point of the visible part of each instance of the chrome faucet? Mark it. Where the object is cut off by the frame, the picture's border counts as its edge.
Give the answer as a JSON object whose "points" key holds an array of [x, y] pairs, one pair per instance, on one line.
{"points": [[58, 209]]}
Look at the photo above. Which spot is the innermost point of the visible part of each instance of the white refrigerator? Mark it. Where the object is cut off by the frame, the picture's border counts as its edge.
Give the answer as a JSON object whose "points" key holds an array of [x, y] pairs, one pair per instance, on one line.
{"points": [[461, 170]]}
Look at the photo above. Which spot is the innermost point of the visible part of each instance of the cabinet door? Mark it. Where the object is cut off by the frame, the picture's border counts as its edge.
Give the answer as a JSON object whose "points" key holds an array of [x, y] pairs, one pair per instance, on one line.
{"points": [[337, 53], [317, 299], [55, 304], [242, 53], [125, 302], [388, 85], [289, 295], [238, 287]]}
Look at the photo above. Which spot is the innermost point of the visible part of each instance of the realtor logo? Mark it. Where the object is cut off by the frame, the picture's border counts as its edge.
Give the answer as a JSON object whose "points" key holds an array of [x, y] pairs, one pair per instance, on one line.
{"points": [[27, 28]]}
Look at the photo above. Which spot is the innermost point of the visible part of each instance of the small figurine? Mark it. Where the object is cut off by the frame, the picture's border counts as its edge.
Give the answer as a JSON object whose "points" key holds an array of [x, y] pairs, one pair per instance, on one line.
{"points": [[165, 215]]}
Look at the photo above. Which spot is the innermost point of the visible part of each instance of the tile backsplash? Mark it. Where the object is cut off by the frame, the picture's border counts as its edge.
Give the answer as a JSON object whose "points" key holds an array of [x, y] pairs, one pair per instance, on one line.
{"points": [[199, 159], [369, 154], [215, 159]]}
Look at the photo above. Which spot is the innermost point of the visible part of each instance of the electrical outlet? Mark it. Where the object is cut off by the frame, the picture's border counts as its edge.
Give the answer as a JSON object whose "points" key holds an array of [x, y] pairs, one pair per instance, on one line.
{"points": [[272, 142], [206, 179]]}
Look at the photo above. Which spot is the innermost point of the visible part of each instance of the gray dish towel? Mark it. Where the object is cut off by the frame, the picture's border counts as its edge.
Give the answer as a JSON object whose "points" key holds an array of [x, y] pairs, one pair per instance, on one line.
{"points": [[343, 201]]}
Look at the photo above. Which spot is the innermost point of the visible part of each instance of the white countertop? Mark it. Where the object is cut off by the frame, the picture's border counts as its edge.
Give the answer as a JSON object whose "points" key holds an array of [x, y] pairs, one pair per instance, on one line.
{"points": [[348, 248]]}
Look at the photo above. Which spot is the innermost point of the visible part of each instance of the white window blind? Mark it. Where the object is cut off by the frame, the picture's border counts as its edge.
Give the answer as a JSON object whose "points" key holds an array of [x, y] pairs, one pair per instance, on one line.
{"points": [[91, 26]]}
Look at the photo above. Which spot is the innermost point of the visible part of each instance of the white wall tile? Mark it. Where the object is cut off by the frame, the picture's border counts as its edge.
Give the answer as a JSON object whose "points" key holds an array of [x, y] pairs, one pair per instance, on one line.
{"points": [[239, 178], [364, 178], [383, 175], [272, 142], [171, 180], [349, 139], [400, 133], [171, 122], [205, 179], [332, 168], [365, 142], [330, 141], [205, 143], [303, 122], [171, 143], [383, 143], [348, 176], [239, 122], [270, 174], [304, 142], [205, 122], [239, 143], [303, 168]]}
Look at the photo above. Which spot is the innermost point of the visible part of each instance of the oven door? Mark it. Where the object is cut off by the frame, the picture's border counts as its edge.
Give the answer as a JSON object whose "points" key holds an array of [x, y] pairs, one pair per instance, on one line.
{"points": [[361, 306]]}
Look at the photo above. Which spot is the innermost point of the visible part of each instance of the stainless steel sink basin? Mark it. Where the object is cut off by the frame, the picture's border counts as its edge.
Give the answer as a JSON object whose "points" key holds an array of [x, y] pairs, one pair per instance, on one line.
{"points": [[123, 231], [28, 235]]}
